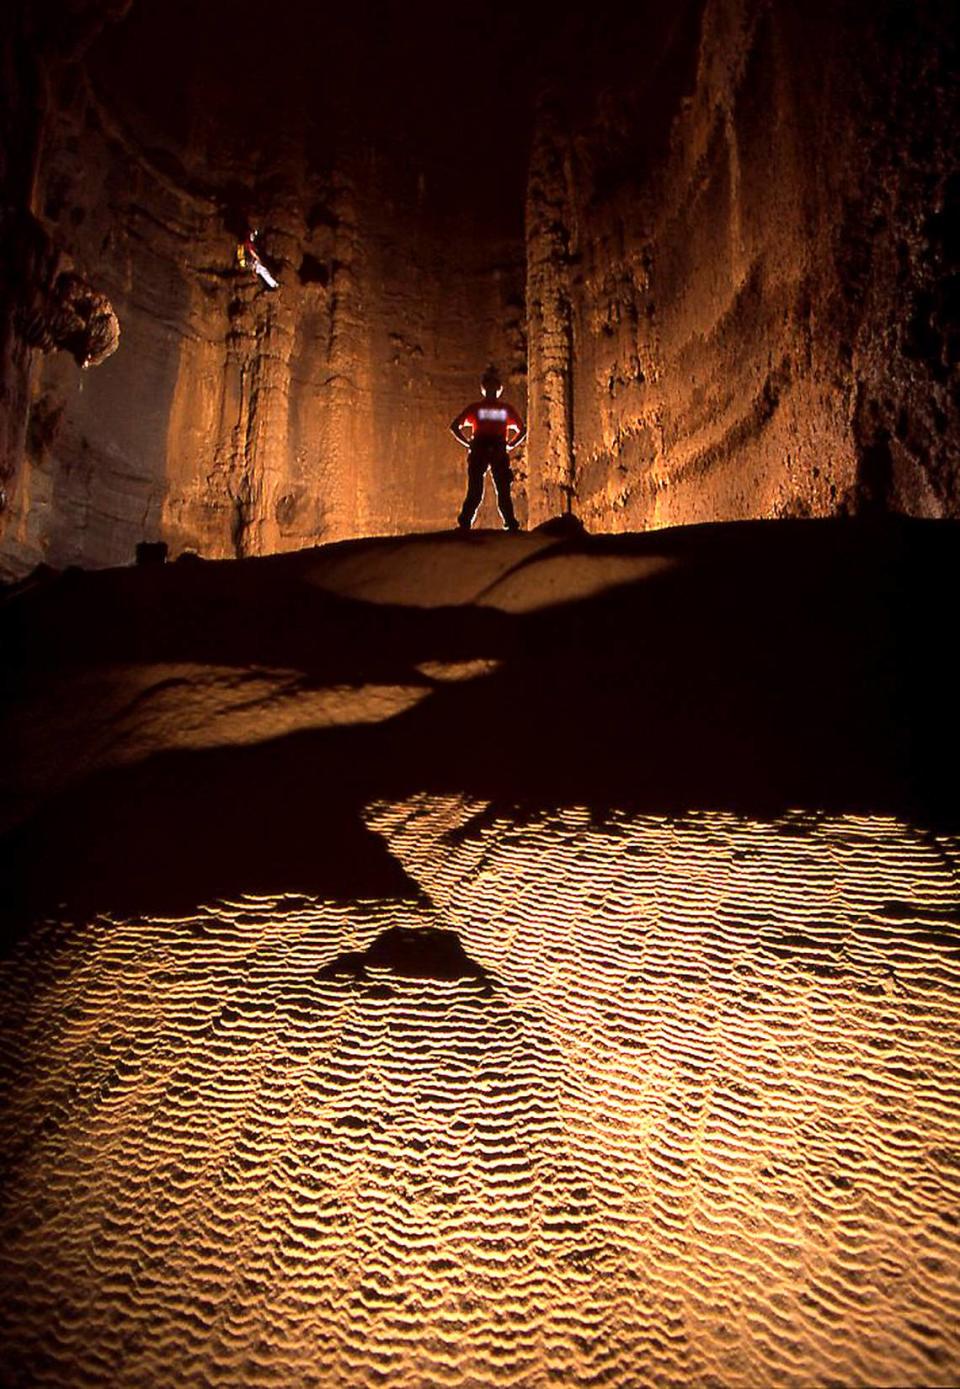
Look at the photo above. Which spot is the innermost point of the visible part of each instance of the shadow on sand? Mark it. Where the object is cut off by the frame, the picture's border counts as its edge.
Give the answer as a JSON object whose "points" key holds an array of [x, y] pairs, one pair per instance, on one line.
{"points": [[767, 666]]}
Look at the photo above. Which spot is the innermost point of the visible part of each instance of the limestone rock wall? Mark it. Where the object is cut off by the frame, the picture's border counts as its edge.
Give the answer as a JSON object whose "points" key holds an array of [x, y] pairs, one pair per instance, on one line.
{"points": [[740, 288], [44, 304], [234, 420], [743, 257]]}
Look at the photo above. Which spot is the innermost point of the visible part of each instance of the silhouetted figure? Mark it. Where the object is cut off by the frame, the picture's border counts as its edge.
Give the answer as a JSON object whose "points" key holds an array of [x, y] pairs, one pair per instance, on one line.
{"points": [[248, 258], [495, 430]]}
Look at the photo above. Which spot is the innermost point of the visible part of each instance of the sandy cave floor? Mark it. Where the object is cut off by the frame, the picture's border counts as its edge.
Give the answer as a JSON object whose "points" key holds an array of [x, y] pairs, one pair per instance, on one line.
{"points": [[669, 1096]]}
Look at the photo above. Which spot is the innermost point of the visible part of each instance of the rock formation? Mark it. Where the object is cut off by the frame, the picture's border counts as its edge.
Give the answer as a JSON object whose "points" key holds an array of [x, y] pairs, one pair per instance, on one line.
{"points": [[737, 291], [235, 421], [44, 303], [744, 243], [57, 309]]}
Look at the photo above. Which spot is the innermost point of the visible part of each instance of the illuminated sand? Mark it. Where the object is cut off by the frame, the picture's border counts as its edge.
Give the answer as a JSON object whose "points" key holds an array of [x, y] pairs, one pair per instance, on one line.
{"points": [[698, 1128], [674, 1101]]}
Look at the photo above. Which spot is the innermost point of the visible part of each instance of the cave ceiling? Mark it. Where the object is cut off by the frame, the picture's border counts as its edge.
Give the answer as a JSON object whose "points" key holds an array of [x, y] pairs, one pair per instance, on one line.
{"points": [[446, 90]]}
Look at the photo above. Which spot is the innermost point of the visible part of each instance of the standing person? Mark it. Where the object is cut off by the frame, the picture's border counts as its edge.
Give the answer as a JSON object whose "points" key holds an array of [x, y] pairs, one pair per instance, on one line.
{"points": [[495, 429]]}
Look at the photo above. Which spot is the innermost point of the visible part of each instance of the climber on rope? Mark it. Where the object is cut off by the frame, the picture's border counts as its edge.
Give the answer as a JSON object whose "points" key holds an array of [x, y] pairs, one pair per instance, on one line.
{"points": [[489, 430], [248, 258]]}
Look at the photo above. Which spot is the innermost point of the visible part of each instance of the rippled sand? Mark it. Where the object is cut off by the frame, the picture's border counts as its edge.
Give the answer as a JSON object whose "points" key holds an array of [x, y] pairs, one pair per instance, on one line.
{"points": [[688, 1116]]}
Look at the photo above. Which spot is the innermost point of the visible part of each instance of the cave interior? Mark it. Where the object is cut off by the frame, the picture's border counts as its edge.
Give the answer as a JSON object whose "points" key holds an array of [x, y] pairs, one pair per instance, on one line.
{"points": [[479, 959]]}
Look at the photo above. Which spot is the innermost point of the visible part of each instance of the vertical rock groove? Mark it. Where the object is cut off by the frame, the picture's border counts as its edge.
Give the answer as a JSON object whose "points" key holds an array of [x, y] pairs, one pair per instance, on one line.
{"points": [[735, 295], [744, 213]]}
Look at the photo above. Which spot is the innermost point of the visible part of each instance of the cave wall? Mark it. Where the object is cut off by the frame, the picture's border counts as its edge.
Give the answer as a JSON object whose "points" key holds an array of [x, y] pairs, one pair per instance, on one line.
{"points": [[743, 257], [740, 288], [233, 420], [44, 303]]}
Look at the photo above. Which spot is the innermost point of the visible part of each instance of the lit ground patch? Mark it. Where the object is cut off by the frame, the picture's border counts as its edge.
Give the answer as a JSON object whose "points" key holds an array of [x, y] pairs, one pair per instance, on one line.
{"points": [[123, 714], [683, 1114]]}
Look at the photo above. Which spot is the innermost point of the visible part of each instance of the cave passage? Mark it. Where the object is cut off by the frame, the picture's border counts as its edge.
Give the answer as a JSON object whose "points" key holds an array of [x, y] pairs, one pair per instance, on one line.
{"points": [[438, 957]]}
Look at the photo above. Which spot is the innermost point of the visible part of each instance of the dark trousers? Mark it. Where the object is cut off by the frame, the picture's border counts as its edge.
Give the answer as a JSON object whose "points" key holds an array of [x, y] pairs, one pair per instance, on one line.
{"points": [[484, 455]]}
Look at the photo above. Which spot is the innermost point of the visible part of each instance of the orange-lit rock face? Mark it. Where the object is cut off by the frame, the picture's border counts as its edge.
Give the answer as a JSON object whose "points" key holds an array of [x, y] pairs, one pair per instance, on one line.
{"points": [[686, 1116], [743, 241], [234, 420], [736, 289]]}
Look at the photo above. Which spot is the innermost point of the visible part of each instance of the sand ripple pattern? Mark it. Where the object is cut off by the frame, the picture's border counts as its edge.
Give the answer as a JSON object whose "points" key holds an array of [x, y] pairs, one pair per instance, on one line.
{"points": [[692, 1122]]}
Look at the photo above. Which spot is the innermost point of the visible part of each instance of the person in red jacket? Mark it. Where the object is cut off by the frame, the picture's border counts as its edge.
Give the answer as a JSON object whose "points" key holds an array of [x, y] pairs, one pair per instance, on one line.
{"points": [[248, 258], [489, 429]]}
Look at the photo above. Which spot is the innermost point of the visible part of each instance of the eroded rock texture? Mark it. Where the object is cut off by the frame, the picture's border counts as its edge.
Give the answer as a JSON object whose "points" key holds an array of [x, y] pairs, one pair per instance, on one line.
{"points": [[54, 308], [235, 420], [46, 303], [739, 284], [744, 245]]}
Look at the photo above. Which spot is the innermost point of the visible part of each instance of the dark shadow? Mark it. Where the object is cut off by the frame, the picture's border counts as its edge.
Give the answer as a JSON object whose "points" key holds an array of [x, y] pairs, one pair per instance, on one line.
{"points": [[419, 952], [801, 665], [171, 833], [235, 613], [313, 271]]}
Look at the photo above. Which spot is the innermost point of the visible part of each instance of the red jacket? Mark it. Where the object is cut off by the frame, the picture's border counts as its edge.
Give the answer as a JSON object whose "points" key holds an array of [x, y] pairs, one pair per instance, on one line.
{"points": [[490, 419]]}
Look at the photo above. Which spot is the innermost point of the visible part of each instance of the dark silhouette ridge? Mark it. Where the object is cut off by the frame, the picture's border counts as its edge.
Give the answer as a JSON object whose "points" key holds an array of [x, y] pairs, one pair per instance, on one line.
{"points": [[798, 665]]}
